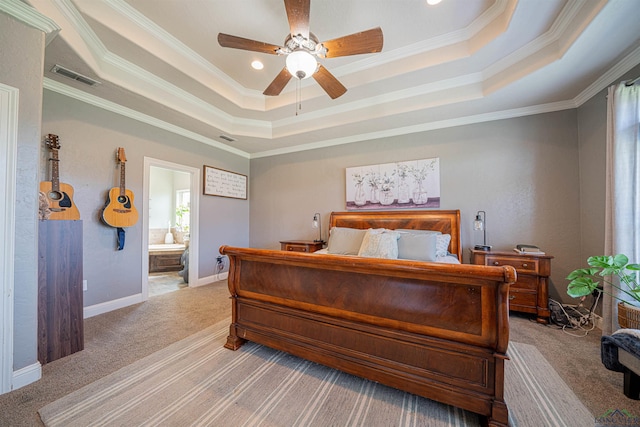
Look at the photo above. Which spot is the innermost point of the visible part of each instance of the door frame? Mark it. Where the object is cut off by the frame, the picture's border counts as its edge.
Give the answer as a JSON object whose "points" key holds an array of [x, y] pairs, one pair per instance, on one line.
{"points": [[9, 145], [194, 221]]}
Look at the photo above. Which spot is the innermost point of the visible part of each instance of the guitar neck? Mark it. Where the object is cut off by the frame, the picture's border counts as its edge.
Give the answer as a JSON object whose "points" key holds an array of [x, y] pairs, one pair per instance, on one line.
{"points": [[55, 171], [122, 184]]}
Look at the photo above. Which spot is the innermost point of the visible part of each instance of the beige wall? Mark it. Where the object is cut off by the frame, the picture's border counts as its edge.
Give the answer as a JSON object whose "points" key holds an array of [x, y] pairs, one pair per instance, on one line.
{"points": [[24, 72], [89, 137], [523, 172], [592, 136]]}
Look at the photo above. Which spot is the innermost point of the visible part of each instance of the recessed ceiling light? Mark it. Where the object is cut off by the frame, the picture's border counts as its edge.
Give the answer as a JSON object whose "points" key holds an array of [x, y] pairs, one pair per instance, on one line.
{"points": [[433, 2], [257, 65]]}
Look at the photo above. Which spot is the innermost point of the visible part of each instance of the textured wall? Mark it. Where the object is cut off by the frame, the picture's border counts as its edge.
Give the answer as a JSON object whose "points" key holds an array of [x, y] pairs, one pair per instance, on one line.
{"points": [[592, 128], [89, 137], [24, 72], [523, 172]]}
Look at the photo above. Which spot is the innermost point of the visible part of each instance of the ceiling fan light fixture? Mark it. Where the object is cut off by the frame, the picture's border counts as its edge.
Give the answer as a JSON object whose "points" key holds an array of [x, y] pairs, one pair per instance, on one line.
{"points": [[301, 64]]}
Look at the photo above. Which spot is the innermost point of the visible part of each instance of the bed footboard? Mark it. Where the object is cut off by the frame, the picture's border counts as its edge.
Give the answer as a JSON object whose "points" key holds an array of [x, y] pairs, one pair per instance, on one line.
{"points": [[439, 331]]}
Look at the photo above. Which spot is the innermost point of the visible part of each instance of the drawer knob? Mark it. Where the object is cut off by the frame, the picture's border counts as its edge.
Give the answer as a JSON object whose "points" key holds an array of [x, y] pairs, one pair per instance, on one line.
{"points": [[525, 265], [511, 297], [290, 248], [496, 263]]}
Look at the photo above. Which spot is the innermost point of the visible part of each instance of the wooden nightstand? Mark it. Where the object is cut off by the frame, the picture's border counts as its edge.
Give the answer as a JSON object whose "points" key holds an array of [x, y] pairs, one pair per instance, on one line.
{"points": [[301, 245], [530, 294]]}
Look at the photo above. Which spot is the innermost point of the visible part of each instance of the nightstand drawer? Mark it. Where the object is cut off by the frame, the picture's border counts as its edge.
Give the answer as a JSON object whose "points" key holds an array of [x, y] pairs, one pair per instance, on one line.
{"points": [[300, 245], [522, 301], [526, 282], [295, 248], [522, 265], [530, 293]]}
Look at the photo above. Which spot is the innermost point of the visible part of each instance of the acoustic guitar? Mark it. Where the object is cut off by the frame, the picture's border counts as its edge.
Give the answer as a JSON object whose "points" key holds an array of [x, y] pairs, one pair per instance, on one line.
{"points": [[59, 195], [119, 210]]}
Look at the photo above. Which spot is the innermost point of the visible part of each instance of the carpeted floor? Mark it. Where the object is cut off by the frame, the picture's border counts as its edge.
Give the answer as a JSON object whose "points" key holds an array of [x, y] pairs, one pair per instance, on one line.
{"points": [[197, 382], [162, 283], [119, 338]]}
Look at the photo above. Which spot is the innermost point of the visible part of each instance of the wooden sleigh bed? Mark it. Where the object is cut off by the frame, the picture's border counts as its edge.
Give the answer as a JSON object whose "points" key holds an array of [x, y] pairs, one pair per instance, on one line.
{"points": [[436, 330]]}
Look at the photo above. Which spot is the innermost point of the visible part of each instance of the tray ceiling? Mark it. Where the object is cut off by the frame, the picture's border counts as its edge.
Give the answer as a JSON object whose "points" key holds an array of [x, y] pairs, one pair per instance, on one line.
{"points": [[455, 63]]}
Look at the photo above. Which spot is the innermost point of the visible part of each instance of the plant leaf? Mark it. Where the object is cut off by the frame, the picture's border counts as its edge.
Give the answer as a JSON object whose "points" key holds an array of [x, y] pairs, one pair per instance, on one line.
{"points": [[600, 261], [582, 272], [581, 287], [620, 260]]}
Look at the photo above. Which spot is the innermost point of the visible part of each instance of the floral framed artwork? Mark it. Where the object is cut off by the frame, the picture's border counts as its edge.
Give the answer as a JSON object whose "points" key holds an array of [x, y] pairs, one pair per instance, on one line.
{"points": [[401, 185]]}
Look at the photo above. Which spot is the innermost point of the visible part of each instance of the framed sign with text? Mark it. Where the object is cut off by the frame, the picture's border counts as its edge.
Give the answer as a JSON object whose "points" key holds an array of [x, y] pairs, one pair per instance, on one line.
{"points": [[219, 182]]}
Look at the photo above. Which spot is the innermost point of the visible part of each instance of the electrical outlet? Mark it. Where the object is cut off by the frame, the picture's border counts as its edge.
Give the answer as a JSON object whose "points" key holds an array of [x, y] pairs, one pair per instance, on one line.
{"points": [[84, 285]]}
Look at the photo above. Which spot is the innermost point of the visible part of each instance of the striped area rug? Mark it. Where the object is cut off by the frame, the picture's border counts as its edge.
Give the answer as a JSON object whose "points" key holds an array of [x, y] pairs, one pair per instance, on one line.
{"points": [[197, 382]]}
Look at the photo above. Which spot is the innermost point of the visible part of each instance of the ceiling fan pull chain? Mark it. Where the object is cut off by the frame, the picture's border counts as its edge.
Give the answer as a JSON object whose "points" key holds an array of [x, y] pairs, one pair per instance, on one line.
{"points": [[298, 97]]}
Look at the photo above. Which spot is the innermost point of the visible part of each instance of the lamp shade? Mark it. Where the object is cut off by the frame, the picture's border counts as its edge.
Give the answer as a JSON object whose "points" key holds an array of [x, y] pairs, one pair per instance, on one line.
{"points": [[317, 223], [478, 223], [301, 64]]}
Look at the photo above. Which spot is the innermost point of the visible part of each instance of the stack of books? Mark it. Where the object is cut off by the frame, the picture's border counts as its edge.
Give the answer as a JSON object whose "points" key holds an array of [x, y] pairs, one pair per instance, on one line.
{"points": [[528, 250]]}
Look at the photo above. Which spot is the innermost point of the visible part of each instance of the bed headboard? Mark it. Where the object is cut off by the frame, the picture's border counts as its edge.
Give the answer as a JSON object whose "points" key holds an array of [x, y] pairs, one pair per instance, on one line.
{"points": [[447, 222]]}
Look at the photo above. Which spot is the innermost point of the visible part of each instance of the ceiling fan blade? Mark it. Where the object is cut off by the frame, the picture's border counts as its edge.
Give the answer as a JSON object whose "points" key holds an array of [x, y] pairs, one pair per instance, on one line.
{"points": [[278, 83], [225, 40], [329, 83], [298, 16], [369, 41]]}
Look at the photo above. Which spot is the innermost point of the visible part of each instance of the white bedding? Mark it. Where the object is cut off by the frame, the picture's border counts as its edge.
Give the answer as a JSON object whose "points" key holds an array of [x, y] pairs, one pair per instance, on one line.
{"points": [[449, 259]]}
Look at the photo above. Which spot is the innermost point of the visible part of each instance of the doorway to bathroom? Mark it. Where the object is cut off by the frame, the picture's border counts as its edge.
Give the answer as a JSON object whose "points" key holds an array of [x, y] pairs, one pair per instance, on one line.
{"points": [[171, 192]]}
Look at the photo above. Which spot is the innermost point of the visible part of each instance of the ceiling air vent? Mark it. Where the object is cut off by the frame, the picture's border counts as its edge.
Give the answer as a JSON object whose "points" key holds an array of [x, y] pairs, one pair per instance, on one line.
{"points": [[227, 138], [73, 75]]}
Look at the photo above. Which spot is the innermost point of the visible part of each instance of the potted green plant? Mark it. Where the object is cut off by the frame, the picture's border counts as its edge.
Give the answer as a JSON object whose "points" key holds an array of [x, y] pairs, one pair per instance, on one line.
{"points": [[584, 281], [180, 213]]}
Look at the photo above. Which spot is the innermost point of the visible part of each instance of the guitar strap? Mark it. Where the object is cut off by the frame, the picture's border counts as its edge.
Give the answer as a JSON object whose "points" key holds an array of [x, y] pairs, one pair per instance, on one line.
{"points": [[120, 232]]}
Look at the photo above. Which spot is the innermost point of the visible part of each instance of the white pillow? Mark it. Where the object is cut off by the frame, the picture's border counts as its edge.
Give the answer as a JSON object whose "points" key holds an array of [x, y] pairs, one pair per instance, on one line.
{"points": [[442, 244], [419, 247], [379, 243], [345, 241]]}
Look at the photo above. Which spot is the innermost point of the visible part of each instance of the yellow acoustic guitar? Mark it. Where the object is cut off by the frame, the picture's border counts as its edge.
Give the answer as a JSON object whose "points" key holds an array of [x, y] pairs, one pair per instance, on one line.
{"points": [[59, 195], [119, 210]]}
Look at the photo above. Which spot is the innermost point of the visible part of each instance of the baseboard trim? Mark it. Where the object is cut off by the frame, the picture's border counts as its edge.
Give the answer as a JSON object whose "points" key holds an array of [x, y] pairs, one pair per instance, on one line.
{"points": [[27, 375], [210, 279], [105, 307]]}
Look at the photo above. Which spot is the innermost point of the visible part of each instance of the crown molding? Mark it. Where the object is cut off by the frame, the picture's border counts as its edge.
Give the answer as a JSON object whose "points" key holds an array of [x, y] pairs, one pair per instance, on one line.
{"points": [[485, 20], [379, 101], [574, 17], [630, 61], [238, 93], [251, 99], [96, 101], [565, 24], [119, 71], [424, 127], [111, 67], [31, 17]]}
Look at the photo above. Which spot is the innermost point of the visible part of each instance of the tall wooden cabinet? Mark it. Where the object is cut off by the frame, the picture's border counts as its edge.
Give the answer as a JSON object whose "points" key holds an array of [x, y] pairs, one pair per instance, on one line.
{"points": [[60, 305], [530, 293]]}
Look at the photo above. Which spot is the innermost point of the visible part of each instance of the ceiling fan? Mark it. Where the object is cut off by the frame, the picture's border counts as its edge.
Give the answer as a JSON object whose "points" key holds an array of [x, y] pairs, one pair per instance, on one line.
{"points": [[302, 48]]}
